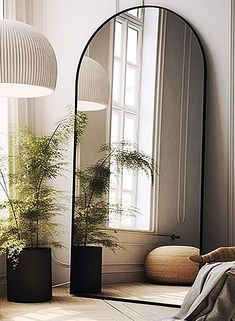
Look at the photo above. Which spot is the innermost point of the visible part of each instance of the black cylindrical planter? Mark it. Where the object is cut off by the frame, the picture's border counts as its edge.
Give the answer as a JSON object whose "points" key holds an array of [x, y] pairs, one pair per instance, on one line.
{"points": [[31, 280], [85, 272]]}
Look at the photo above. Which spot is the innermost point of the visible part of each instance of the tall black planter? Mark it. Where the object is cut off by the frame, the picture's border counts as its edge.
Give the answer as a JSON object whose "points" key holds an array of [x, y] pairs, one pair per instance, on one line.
{"points": [[31, 280], [85, 273]]}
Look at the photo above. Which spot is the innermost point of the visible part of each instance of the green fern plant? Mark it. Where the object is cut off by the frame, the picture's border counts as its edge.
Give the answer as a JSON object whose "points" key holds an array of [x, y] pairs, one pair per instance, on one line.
{"points": [[30, 199], [92, 206]]}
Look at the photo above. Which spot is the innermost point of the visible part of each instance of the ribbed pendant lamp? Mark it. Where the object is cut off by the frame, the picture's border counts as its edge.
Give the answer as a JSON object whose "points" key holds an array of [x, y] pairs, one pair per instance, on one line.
{"points": [[28, 66], [93, 86]]}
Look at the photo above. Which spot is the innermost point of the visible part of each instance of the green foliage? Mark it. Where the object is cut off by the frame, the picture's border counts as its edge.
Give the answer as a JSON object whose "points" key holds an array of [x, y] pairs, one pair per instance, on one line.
{"points": [[92, 207], [70, 124], [30, 200]]}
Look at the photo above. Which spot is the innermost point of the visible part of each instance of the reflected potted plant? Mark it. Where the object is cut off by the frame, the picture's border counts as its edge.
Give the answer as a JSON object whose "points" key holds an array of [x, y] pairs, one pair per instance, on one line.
{"points": [[28, 232], [92, 208]]}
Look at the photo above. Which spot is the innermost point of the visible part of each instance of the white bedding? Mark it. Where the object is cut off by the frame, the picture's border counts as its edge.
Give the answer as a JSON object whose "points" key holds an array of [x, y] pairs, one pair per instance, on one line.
{"points": [[211, 297]]}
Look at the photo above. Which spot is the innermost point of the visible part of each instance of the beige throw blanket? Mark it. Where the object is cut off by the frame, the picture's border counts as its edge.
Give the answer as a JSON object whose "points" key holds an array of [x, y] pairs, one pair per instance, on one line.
{"points": [[212, 296]]}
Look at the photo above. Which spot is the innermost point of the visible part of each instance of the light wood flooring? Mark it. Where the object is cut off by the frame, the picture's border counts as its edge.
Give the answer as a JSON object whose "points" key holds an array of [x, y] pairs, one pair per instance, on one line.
{"points": [[146, 292], [65, 307]]}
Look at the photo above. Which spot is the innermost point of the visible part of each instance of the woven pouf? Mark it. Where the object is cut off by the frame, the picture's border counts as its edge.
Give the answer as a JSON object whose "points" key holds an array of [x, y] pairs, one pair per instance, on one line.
{"points": [[171, 265]]}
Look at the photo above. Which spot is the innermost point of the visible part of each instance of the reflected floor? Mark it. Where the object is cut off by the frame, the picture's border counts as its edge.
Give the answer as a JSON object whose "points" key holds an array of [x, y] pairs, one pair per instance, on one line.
{"points": [[145, 292]]}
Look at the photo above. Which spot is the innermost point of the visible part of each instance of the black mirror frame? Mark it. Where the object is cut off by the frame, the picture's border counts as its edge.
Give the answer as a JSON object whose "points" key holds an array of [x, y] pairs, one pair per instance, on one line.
{"points": [[203, 128]]}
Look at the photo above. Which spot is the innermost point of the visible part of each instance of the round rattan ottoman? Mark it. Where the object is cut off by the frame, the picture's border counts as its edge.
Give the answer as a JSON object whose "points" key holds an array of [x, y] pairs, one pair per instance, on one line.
{"points": [[171, 265]]}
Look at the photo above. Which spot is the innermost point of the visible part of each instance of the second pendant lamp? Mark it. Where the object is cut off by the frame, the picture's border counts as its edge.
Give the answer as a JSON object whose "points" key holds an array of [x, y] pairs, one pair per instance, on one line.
{"points": [[93, 86]]}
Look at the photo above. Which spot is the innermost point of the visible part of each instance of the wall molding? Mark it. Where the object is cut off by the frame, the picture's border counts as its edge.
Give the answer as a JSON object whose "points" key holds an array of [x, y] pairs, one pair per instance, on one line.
{"points": [[122, 263], [158, 112], [3, 288], [146, 244], [123, 267], [180, 194], [184, 118], [3, 284], [231, 127], [123, 272]]}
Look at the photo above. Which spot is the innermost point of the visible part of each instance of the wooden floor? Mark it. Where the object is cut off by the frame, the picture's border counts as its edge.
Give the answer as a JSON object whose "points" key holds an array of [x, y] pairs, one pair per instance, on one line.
{"points": [[146, 292], [65, 307]]}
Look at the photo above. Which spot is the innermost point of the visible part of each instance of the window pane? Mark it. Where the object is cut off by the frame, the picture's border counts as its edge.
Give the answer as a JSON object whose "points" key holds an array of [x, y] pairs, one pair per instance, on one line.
{"points": [[118, 39], [130, 86], [114, 219], [138, 13], [127, 199], [116, 126], [114, 179], [128, 180], [132, 45], [128, 222], [113, 196], [116, 80], [130, 128], [133, 12]]}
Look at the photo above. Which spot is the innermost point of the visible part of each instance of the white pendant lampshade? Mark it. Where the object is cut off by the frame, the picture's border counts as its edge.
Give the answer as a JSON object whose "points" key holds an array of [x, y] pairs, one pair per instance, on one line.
{"points": [[93, 86], [28, 66]]}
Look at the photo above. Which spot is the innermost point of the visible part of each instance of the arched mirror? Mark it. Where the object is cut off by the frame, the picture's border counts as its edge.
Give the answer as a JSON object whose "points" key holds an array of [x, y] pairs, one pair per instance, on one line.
{"points": [[155, 68]]}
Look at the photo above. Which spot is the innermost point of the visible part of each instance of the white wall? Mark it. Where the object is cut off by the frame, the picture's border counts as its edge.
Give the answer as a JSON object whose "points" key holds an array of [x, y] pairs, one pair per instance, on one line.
{"points": [[68, 24], [180, 146], [210, 19]]}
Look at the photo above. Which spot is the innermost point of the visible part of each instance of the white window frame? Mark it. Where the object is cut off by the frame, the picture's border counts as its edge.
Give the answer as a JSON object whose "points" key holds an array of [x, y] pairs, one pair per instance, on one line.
{"points": [[153, 149], [120, 107]]}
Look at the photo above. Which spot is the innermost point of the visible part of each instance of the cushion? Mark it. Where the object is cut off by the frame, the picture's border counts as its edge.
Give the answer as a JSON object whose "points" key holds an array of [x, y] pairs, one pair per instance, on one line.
{"points": [[221, 254], [171, 265]]}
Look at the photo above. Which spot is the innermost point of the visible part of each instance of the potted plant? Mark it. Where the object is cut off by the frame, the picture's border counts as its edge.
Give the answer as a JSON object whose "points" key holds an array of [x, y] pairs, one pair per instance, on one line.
{"points": [[92, 208], [28, 232]]}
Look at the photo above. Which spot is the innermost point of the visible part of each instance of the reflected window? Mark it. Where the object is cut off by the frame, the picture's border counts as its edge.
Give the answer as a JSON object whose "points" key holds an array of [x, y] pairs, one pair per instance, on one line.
{"points": [[132, 45], [118, 39], [130, 88], [116, 81], [136, 13], [133, 112], [127, 64]]}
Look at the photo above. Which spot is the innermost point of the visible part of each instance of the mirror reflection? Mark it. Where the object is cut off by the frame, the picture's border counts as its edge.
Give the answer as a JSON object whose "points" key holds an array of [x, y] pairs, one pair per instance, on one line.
{"points": [[155, 67]]}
